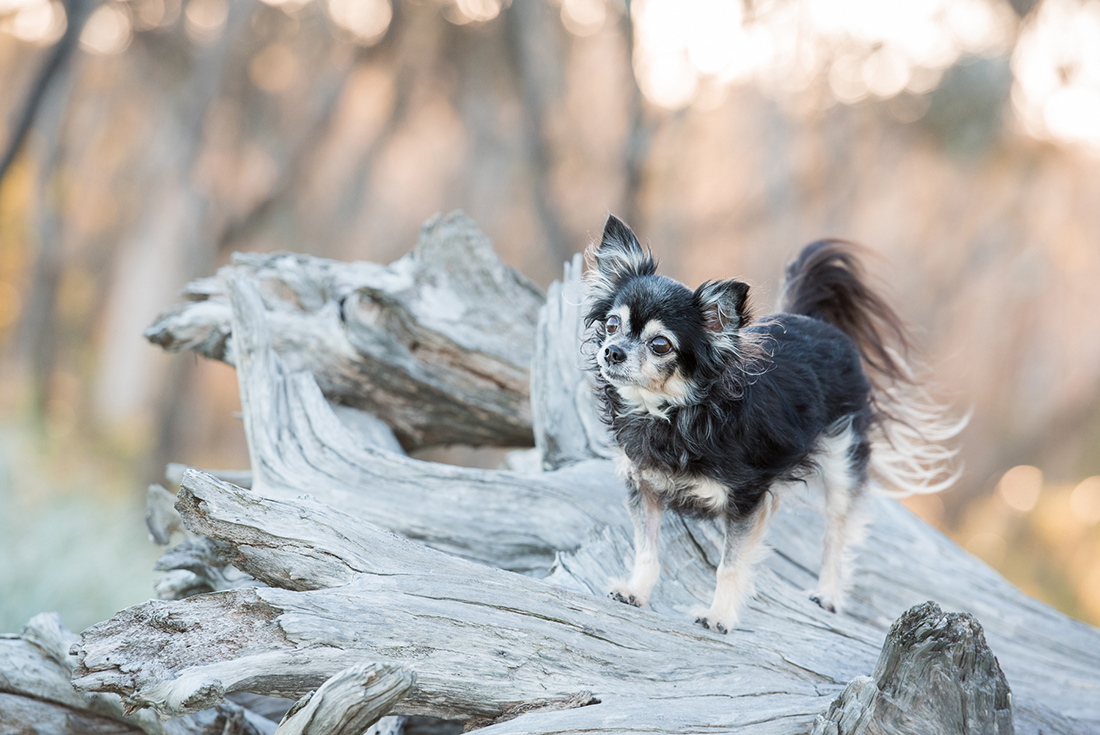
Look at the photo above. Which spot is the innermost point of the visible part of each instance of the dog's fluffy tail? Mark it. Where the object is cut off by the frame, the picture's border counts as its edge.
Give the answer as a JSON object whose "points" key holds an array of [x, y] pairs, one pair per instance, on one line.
{"points": [[908, 456]]}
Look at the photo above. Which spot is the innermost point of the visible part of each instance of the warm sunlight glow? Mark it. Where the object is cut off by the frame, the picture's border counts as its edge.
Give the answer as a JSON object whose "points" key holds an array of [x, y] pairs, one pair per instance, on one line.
{"points": [[861, 48], [288, 5], [205, 19], [717, 31], [367, 20], [676, 41], [583, 17], [108, 31], [473, 11], [1057, 72], [1019, 488], [10, 6], [38, 22], [1084, 501], [149, 14]]}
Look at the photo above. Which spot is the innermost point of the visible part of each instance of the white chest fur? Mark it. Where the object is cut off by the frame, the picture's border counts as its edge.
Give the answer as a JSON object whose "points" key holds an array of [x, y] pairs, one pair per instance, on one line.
{"points": [[708, 492]]}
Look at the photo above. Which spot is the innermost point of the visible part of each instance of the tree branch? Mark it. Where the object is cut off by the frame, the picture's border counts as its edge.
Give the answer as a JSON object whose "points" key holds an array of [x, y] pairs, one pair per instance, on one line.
{"points": [[437, 344]]}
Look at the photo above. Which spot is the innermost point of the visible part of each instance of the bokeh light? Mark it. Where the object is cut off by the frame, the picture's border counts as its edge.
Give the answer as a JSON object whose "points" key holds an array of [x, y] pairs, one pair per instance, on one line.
{"points": [[1084, 501], [463, 12], [41, 22], [150, 14], [366, 20], [1056, 64], [108, 30], [205, 19], [583, 17], [289, 6], [862, 47], [1019, 488]]}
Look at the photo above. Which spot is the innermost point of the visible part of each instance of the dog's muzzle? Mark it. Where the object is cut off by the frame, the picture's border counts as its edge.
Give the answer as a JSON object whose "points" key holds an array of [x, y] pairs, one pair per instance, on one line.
{"points": [[614, 355]]}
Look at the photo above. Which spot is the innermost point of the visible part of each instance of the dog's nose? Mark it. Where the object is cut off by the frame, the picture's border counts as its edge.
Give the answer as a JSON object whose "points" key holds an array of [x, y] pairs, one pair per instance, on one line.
{"points": [[614, 354]]}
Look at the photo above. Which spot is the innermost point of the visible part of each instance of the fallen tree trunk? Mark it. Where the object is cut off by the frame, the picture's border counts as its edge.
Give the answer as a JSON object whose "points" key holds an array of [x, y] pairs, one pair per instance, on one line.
{"points": [[530, 655], [297, 444], [36, 696], [437, 344], [488, 604]]}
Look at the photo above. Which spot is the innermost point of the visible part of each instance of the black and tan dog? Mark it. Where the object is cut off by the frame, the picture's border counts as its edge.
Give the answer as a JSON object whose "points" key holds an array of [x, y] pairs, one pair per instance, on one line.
{"points": [[715, 413]]}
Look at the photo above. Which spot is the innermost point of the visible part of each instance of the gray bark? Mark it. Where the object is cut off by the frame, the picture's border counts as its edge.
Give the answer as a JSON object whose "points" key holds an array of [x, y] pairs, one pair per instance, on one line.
{"points": [[529, 655], [924, 646], [297, 444], [37, 697], [438, 344], [349, 702], [567, 428]]}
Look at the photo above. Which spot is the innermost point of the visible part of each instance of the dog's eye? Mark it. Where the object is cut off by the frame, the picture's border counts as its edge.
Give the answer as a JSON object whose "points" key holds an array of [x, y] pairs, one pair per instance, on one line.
{"points": [[660, 346], [612, 324]]}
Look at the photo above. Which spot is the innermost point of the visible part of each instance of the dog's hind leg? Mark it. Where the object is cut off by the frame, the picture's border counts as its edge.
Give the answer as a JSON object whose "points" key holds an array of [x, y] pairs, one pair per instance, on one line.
{"points": [[646, 511], [843, 464], [743, 546]]}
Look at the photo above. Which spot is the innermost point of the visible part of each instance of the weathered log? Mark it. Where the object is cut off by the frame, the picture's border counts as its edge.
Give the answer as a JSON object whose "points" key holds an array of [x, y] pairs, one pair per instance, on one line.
{"points": [[567, 427], [485, 644], [173, 473], [349, 702], [296, 444], [488, 645], [442, 506], [926, 651], [438, 344], [161, 519], [526, 644], [36, 695], [195, 566]]}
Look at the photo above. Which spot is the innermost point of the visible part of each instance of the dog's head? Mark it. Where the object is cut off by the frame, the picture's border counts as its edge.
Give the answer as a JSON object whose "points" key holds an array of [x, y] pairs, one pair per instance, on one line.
{"points": [[657, 341]]}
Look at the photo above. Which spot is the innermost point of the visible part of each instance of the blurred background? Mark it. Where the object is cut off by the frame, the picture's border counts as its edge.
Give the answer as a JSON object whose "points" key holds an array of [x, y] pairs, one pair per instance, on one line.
{"points": [[143, 141]]}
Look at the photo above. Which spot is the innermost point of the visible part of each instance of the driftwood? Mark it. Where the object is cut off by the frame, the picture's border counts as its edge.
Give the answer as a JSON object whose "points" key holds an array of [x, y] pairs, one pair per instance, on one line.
{"points": [[349, 702], [36, 696], [524, 654], [438, 344], [925, 645], [478, 596]]}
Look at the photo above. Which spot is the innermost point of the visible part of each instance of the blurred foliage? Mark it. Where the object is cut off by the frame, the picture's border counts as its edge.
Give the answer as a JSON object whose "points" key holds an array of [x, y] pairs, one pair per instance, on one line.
{"points": [[959, 139]]}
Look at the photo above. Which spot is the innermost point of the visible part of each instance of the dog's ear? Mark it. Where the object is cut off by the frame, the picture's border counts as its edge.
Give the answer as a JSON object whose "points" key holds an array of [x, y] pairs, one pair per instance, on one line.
{"points": [[618, 255], [724, 306]]}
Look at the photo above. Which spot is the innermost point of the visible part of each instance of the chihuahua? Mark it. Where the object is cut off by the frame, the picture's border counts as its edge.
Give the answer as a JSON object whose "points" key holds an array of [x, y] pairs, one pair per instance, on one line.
{"points": [[715, 413]]}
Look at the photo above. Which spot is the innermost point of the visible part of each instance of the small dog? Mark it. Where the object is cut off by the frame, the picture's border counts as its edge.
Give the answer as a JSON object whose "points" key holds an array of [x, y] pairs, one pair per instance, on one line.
{"points": [[715, 414]]}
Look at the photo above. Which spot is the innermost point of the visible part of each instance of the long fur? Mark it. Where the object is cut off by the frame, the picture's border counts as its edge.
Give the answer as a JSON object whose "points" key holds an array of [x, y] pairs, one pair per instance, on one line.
{"points": [[908, 427], [715, 411]]}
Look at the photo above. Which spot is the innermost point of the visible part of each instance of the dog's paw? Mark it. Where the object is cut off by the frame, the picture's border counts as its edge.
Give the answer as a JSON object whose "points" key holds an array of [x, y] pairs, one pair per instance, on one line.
{"points": [[713, 620], [622, 591], [624, 597], [824, 600], [711, 625]]}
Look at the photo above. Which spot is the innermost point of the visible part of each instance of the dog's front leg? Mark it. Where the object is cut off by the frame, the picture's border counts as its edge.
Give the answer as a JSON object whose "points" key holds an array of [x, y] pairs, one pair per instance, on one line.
{"points": [[646, 510], [735, 572]]}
